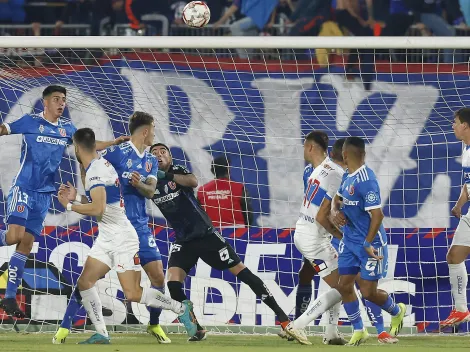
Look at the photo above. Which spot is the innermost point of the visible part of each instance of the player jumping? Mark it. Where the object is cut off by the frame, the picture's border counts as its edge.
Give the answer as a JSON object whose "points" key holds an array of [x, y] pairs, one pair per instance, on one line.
{"points": [[45, 137], [117, 245], [312, 239], [363, 248], [197, 238], [460, 248], [137, 170]]}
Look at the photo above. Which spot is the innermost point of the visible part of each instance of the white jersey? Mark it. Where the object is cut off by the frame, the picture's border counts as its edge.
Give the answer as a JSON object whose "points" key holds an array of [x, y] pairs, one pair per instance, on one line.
{"points": [[466, 167], [323, 182], [101, 173]]}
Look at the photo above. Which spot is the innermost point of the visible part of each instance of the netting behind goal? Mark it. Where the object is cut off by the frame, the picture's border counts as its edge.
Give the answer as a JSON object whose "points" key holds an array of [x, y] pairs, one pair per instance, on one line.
{"points": [[210, 102]]}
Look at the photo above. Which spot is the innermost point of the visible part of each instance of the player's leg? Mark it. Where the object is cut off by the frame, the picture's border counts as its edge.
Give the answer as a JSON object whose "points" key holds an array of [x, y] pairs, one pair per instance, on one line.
{"points": [[458, 252], [304, 289], [183, 257], [151, 262]]}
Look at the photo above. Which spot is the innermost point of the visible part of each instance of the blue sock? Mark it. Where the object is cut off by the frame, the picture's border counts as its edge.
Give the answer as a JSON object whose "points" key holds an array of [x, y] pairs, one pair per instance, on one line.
{"points": [[375, 315], [391, 307], [302, 299], [3, 238], [354, 315], [15, 274], [73, 307], [155, 312]]}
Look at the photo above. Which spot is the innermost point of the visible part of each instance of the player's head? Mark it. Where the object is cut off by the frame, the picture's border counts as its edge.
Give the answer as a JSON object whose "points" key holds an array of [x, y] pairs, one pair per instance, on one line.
{"points": [[337, 150], [316, 143], [354, 151], [461, 124], [220, 166], [163, 155], [84, 142], [54, 98], [142, 125]]}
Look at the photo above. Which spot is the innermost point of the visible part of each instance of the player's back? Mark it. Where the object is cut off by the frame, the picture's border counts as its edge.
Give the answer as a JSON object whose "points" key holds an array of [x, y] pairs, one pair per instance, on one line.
{"points": [[126, 159], [42, 149], [360, 192], [221, 199]]}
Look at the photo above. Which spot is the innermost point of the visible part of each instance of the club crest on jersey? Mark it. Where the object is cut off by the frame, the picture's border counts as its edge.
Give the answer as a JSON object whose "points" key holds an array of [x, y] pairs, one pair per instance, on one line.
{"points": [[62, 132], [351, 190], [20, 208], [148, 166], [41, 128], [172, 185], [129, 163]]}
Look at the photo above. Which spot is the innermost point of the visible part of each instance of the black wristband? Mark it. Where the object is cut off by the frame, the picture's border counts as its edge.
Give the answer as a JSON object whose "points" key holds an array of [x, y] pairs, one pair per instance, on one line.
{"points": [[169, 176]]}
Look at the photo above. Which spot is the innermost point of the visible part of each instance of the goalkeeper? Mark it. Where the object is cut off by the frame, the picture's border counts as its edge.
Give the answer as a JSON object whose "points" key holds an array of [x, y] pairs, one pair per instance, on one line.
{"points": [[197, 238], [45, 138]]}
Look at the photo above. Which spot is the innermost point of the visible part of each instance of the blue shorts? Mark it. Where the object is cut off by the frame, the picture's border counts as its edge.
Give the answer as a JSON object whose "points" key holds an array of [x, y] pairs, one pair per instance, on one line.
{"points": [[354, 259], [335, 243], [27, 208], [148, 250]]}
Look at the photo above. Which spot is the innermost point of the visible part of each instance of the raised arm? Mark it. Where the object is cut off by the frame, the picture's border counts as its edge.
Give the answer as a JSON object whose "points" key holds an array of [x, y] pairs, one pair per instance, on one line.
{"points": [[96, 207], [100, 145], [181, 176]]}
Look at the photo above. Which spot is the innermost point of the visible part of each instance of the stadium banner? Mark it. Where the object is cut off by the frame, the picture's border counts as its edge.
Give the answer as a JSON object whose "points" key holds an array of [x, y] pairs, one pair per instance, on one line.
{"points": [[257, 115]]}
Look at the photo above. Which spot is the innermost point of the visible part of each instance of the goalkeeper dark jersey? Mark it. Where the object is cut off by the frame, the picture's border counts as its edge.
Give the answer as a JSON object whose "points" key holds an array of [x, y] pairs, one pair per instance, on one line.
{"points": [[181, 209]]}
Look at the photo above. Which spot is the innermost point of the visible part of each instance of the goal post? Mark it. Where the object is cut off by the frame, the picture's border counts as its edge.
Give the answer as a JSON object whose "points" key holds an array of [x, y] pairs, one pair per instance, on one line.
{"points": [[206, 102]]}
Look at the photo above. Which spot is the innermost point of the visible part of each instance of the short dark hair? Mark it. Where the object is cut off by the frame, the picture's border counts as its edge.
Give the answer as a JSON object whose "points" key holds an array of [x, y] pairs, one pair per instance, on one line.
{"points": [[220, 166], [53, 89], [337, 149], [356, 142], [464, 115], [160, 145], [85, 138], [319, 137], [139, 119]]}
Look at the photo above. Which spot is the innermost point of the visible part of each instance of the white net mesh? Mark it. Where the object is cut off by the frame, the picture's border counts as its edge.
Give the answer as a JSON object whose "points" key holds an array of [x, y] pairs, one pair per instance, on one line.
{"points": [[256, 111]]}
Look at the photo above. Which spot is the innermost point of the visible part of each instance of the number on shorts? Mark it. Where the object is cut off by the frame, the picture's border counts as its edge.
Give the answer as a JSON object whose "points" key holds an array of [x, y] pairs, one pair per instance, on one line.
{"points": [[371, 264], [175, 248], [341, 247], [224, 256], [24, 199]]}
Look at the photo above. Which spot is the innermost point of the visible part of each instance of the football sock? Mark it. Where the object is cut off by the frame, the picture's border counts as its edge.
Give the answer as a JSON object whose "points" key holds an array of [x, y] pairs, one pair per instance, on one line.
{"points": [[73, 307], [390, 306], [155, 299], [177, 293], [375, 315], [3, 238], [155, 312], [15, 273], [92, 303], [318, 307], [333, 317], [458, 283], [261, 291], [354, 315], [302, 299]]}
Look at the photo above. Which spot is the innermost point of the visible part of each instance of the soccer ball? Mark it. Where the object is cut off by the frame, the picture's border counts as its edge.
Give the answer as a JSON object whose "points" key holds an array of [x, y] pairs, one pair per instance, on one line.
{"points": [[196, 14]]}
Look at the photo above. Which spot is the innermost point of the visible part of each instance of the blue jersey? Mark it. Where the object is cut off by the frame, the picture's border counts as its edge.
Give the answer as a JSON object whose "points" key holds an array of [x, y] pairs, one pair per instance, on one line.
{"points": [[41, 151], [126, 159], [360, 192]]}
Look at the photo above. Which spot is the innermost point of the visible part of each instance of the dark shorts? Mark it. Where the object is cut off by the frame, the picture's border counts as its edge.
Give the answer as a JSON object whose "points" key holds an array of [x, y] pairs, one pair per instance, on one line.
{"points": [[213, 250]]}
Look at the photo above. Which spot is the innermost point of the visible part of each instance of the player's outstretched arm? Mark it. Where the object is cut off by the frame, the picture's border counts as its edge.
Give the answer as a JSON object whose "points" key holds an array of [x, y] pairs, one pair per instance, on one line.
{"points": [[100, 145], [323, 218], [185, 180], [147, 188], [96, 207]]}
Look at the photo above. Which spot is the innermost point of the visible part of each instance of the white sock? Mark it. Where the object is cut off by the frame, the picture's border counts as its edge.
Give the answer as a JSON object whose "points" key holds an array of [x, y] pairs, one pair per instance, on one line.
{"points": [[458, 283], [155, 299], [317, 308], [92, 303], [333, 317]]}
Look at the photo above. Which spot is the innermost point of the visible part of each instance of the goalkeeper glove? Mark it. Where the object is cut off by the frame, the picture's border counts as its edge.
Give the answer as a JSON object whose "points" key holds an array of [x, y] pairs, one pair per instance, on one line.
{"points": [[163, 175]]}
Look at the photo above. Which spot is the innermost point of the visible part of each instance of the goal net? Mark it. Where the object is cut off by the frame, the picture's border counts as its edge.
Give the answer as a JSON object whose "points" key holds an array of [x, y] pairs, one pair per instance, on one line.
{"points": [[255, 109]]}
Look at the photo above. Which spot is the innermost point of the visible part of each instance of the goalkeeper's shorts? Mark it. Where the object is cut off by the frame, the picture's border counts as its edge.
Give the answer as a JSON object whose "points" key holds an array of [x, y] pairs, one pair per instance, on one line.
{"points": [[318, 250], [462, 233]]}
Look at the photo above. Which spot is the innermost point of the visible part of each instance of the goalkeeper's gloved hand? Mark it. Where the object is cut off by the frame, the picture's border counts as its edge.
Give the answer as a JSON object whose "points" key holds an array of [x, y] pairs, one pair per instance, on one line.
{"points": [[163, 175]]}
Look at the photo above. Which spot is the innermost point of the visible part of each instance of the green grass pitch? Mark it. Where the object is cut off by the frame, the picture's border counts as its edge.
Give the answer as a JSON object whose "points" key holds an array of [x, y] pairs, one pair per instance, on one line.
{"points": [[126, 342]]}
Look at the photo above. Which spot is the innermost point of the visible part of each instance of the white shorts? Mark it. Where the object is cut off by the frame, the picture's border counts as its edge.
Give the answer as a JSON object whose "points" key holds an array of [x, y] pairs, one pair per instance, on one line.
{"points": [[462, 233], [120, 254], [318, 250]]}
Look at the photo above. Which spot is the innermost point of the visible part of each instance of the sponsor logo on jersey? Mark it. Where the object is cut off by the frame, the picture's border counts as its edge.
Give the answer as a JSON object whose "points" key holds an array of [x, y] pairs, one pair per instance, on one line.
{"points": [[128, 175], [327, 167], [62, 132], [20, 208], [166, 198], [350, 202], [41, 128], [351, 190], [129, 163], [148, 166], [50, 140], [172, 185]]}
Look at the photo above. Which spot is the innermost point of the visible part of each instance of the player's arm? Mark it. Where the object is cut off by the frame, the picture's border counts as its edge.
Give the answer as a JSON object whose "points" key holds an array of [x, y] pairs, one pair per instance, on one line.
{"points": [[3, 130], [71, 192], [337, 217], [18, 126], [100, 145], [96, 207], [180, 175], [229, 13], [247, 208], [147, 188], [376, 218], [463, 199], [370, 194], [323, 218]]}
